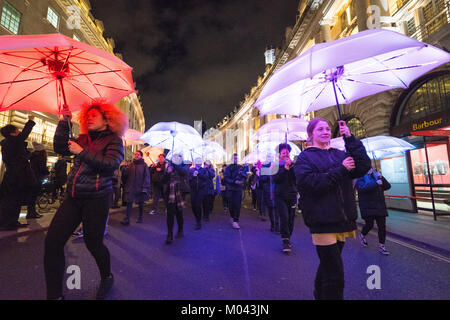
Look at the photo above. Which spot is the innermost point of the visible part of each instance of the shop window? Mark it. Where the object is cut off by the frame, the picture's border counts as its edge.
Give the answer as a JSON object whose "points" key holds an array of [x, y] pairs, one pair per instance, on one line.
{"points": [[433, 96], [10, 18]]}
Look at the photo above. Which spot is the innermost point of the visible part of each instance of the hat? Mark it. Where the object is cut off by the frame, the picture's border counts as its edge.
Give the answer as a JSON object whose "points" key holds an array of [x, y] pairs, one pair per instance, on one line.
{"points": [[38, 146]]}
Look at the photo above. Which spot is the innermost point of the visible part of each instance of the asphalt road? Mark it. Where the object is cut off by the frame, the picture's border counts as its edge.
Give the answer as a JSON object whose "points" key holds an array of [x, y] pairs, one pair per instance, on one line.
{"points": [[220, 263]]}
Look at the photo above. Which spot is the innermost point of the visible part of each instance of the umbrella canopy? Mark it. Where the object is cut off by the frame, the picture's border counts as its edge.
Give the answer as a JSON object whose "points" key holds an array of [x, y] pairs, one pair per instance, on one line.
{"points": [[378, 147], [210, 150], [254, 156], [348, 69], [173, 136], [288, 129], [131, 138], [271, 147], [45, 72], [151, 154]]}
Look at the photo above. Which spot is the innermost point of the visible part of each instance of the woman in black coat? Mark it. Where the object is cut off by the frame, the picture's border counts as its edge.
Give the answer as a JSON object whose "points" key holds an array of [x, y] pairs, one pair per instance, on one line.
{"points": [[372, 206], [38, 162], [325, 181], [137, 188], [98, 153]]}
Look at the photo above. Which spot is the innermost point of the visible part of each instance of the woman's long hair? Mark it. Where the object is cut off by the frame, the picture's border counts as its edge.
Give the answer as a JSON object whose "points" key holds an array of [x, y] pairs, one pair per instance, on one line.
{"points": [[116, 120]]}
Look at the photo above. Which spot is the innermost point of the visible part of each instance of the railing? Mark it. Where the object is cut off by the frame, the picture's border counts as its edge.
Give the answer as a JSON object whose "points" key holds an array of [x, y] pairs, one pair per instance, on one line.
{"points": [[424, 31]]}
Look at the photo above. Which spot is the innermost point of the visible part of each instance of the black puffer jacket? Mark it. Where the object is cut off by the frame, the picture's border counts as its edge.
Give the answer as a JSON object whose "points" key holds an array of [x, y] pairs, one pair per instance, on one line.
{"points": [[92, 173], [284, 183], [371, 195], [326, 186]]}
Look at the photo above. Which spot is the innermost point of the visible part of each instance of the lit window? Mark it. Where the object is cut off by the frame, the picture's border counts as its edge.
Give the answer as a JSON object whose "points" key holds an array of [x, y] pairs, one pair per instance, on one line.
{"points": [[10, 18], [53, 17]]}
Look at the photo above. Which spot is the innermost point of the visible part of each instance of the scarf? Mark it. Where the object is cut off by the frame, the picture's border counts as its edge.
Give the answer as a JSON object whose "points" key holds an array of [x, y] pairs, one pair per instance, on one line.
{"points": [[175, 195]]}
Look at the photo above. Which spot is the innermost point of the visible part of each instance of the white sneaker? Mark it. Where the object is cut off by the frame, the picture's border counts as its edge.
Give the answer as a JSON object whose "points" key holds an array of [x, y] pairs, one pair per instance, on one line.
{"points": [[236, 225], [153, 212]]}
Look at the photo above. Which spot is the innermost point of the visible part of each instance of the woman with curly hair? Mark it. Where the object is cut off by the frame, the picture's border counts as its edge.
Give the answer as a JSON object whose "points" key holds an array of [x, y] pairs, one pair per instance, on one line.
{"points": [[98, 152]]}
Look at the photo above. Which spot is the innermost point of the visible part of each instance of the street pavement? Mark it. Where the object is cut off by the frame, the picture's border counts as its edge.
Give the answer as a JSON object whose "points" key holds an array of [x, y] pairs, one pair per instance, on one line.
{"points": [[221, 263]]}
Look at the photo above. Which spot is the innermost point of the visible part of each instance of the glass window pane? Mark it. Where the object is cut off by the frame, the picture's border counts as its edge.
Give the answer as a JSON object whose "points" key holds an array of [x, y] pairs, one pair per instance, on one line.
{"points": [[10, 18], [53, 17]]}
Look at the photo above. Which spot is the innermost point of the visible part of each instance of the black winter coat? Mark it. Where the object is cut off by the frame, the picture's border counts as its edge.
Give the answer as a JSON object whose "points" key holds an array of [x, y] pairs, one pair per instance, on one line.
{"points": [[371, 196], [234, 172], [137, 188], [18, 175], [284, 183], [202, 183], [61, 171], [92, 173], [326, 186], [38, 162]]}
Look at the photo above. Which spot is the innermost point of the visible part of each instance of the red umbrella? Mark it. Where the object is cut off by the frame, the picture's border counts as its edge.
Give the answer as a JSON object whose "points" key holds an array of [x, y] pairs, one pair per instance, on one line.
{"points": [[45, 72]]}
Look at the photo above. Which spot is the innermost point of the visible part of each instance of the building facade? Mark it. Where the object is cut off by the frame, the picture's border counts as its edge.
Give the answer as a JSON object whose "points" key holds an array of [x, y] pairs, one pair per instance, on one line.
{"points": [[420, 178], [72, 18]]}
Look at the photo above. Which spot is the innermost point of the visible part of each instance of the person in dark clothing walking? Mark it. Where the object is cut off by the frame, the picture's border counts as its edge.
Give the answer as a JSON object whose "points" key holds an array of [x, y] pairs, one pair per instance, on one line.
{"points": [[18, 178], [123, 180], [234, 179], [60, 175], [223, 190], [98, 152], [372, 206], [285, 195], [197, 181], [157, 175], [38, 163], [266, 186], [324, 178], [137, 189], [173, 194], [208, 199]]}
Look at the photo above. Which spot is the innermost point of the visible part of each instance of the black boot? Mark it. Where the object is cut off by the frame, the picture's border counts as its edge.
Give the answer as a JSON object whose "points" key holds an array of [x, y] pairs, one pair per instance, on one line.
{"points": [[105, 287], [169, 238]]}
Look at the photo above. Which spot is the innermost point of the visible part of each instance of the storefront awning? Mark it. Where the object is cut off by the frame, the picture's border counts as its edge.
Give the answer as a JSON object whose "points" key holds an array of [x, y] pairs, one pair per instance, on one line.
{"points": [[441, 132]]}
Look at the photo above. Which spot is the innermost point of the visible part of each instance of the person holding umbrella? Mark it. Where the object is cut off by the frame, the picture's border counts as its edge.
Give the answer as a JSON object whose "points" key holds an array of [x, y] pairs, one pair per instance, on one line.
{"points": [[173, 194], [198, 179], [372, 206], [234, 179], [285, 195], [137, 189], [157, 173], [324, 178], [98, 152], [19, 178], [208, 199]]}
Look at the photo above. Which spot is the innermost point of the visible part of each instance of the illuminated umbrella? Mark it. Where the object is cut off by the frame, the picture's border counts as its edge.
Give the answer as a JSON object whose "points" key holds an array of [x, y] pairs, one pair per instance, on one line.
{"points": [[254, 156], [210, 150], [132, 138], [173, 136], [287, 129], [46, 72], [151, 154], [378, 147], [344, 70], [271, 147]]}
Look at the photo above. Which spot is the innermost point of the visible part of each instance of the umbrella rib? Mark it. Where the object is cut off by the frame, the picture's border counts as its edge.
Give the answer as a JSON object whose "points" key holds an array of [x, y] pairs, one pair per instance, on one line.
{"points": [[29, 94], [24, 80], [391, 69], [111, 87], [91, 73], [21, 71], [22, 67], [342, 93], [90, 81], [80, 90], [372, 83], [324, 86]]}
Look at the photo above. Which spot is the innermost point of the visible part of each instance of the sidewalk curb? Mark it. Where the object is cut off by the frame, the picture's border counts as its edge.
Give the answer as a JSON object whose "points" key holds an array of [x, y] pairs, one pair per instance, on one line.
{"points": [[417, 243]]}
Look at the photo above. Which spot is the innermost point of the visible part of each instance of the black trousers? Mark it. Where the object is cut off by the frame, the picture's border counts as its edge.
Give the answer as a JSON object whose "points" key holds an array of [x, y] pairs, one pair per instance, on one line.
{"points": [[381, 224], [11, 204], [197, 205], [329, 282], [157, 190], [93, 213], [267, 203], [234, 202], [208, 205], [172, 212], [130, 209], [285, 210]]}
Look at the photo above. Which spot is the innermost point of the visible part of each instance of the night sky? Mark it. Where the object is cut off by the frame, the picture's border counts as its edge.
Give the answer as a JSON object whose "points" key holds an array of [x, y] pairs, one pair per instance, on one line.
{"points": [[194, 59]]}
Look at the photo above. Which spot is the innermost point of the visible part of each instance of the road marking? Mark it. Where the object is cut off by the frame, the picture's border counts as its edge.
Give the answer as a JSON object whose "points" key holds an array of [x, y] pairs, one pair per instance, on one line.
{"points": [[421, 250], [246, 273]]}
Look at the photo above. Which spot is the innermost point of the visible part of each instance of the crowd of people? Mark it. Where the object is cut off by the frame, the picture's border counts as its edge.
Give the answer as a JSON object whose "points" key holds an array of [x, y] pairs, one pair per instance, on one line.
{"points": [[321, 183]]}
